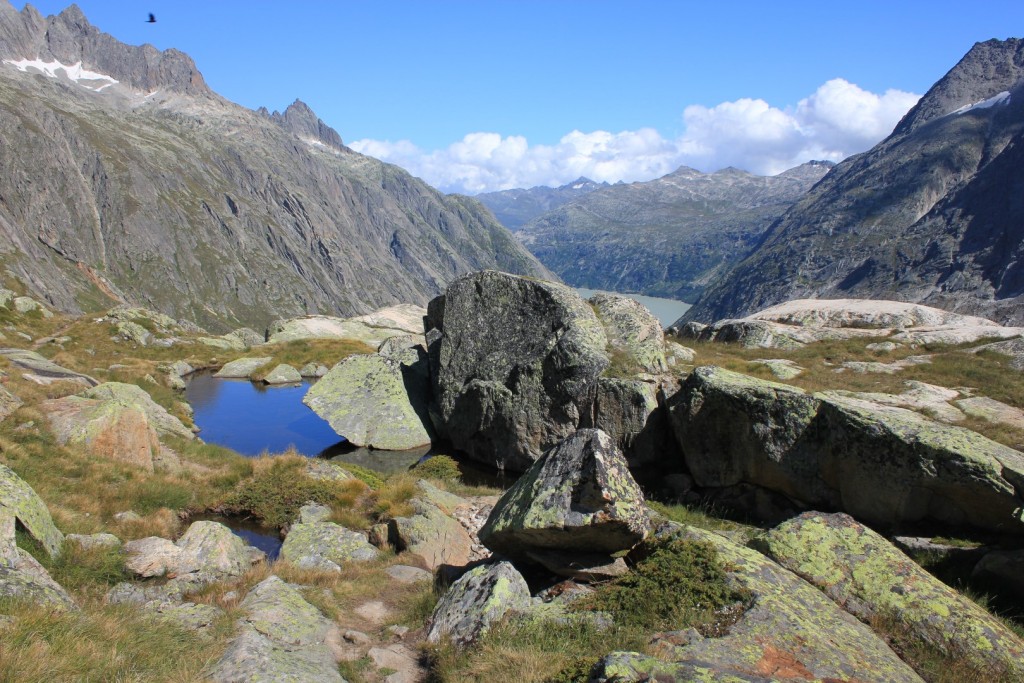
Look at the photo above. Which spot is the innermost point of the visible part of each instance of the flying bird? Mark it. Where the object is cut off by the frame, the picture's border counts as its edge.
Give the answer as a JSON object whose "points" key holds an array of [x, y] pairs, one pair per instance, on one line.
{"points": [[152, 19]]}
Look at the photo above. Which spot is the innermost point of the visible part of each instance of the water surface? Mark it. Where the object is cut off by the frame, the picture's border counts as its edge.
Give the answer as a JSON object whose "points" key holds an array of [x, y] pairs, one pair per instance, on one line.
{"points": [[251, 418], [667, 310]]}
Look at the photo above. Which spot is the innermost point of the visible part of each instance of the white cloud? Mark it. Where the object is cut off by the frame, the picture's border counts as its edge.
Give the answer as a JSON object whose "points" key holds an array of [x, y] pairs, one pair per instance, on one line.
{"points": [[837, 120]]}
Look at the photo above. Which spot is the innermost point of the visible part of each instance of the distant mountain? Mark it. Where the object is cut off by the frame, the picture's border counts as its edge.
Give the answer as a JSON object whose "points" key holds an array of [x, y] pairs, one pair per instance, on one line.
{"points": [[933, 214], [513, 208], [666, 237], [124, 177]]}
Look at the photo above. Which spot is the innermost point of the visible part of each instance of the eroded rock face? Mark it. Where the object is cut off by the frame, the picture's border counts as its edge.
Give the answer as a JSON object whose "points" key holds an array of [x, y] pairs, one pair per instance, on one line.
{"points": [[579, 496], [880, 463], [477, 600], [513, 366], [868, 577], [790, 631], [376, 401], [281, 638]]}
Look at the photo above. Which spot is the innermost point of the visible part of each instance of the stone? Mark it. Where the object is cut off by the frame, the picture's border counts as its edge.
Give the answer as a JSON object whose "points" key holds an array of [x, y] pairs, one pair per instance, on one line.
{"points": [[677, 354], [134, 333], [406, 574], [633, 332], [26, 304], [325, 545], [223, 343], [579, 496], [6, 297], [864, 367], [23, 578], [92, 541], [8, 403], [476, 601], [313, 370], [191, 616], [374, 611], [242, 367], [281, 638], [375, 401], [40, 367], [326, 471], [1014, 348], [992, 410], [246, 336], [403, 346], [513, 366], [782, 368], [790, 630], [883, 464], [283, 374], [628, 410], [432, 535], [20, 503], [400, 660], [127, 516], [371, 329], [926, 398], [136, 397], [869, 577], [206, 549], [314, 512], [1003, 569], [883, 347], [579, 566], [106, 429]]}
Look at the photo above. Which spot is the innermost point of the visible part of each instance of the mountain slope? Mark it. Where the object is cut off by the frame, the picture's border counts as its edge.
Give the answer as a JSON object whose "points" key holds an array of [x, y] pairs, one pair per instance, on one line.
{"points": [[666, 237], [122, 176], [933, 214], [513, 208]]}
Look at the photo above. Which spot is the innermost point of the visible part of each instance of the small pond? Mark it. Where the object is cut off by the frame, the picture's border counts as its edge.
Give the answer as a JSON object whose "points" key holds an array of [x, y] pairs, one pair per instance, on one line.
{"points": [[667, 310], [251, 418]]}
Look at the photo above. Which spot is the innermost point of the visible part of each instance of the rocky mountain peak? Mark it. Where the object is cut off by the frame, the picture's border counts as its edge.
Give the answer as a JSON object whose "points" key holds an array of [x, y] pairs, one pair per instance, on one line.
{"points": [[299, 119], [70, 39], [988, 69]]}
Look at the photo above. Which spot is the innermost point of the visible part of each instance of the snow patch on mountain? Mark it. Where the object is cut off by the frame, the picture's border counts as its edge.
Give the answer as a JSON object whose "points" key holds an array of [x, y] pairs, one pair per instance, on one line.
{"points": [[91, 80], [1001, 98]]}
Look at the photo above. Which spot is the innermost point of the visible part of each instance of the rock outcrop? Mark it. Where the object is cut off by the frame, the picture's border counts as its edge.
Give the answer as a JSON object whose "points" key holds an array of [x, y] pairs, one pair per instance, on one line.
{"points": [[513, 366], [432, 533], [43, 370], [207, 550], [883, 464], [868, 577]]}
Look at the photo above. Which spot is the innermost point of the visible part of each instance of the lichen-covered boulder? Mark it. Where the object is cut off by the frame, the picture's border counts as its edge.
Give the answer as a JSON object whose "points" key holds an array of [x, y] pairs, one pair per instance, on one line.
{"points": [[375, 401], [281, 638], [513, 366], [26, 304], [476, 601], [206, 548], [92, 541], [579, 496], [242, 367], [325, 545], [790, 631], [8, 403], [283, 374], [134, 396], [133, 332], [403, 346], [313, 370], [869, 577], [23, 578], [18, 502], [634, 667], [880, 463], [633, 332], [432, 534], [246, 336]]}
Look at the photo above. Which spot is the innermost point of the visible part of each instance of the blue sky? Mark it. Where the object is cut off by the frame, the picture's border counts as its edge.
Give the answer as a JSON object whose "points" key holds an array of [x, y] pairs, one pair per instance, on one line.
{"points": [[476, 96]]}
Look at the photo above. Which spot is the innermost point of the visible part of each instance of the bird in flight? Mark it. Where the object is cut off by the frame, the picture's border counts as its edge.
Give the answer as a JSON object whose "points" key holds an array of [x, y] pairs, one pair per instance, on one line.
{"points": [[152, 19]]}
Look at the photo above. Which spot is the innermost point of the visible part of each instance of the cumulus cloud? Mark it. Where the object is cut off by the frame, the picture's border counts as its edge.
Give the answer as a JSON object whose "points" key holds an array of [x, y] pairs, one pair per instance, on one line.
{"points": [[837, 120]]}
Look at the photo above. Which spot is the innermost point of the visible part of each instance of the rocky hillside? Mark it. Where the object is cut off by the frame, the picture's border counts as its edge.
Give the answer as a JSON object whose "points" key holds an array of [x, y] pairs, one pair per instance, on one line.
{"points": [[515, 207], [124, 178], [932, 214], [666, 237]]}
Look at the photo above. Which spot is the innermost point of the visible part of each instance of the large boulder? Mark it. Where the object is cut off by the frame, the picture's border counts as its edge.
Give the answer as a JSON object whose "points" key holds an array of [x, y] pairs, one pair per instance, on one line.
{"points": [[634, 333], [376, 401], [432, 533], [476, 601], [629, 411], [513, 365], [281, 638], [790, 631], [206, 549], [883, 464], [19, 503], [242, 367], [325, 545], [134, 396], [578, 498], [283, 374], [869, 577]]}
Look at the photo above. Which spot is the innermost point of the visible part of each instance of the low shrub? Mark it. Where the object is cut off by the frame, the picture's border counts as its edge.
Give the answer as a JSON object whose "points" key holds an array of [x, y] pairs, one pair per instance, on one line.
{"points": [[443, 467]]}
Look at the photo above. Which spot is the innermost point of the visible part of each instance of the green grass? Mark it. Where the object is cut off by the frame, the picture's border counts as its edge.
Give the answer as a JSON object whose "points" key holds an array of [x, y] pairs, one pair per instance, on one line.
{"points": [[298, 353], [441, 467]]}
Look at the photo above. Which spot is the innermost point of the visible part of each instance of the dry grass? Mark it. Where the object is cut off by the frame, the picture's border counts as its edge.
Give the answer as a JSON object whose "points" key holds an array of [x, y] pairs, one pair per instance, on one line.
{"points": [[298, 353]]}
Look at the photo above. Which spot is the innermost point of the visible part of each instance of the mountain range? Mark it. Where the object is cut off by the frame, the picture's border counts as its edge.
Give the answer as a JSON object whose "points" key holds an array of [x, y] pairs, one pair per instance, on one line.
{"points": [[933, 214], [515, 207], [123, 177], [665, 237]]}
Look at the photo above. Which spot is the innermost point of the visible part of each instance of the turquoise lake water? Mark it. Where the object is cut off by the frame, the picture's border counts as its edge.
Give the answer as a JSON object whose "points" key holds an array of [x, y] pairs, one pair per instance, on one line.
{"points": [[667, 310]]}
